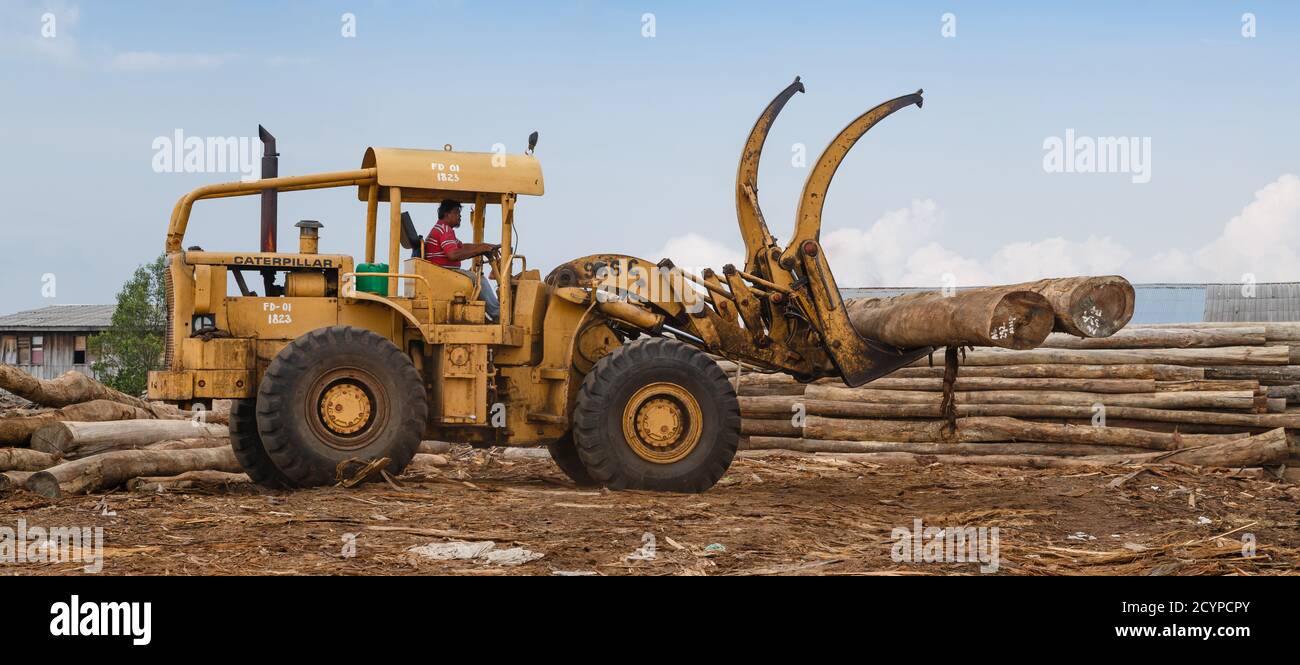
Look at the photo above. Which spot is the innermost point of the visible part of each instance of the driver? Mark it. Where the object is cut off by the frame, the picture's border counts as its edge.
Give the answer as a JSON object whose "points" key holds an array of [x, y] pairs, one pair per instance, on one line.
{"points": [[443, 248]]}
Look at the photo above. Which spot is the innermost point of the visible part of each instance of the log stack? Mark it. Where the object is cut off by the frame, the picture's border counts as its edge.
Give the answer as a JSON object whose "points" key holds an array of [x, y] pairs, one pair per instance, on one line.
{"points": [[1231, 392], [84, 437]]}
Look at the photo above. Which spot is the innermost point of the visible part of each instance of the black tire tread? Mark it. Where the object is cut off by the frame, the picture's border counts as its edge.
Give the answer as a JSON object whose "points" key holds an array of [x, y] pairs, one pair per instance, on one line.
{"points": [[565, 455], [307, 351], [593, 404], [247, 444]]}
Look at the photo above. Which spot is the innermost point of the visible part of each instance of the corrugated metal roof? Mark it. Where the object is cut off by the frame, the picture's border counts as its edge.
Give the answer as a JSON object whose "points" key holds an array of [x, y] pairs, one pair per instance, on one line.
{"points": [[60, 317], [1253, 302]]}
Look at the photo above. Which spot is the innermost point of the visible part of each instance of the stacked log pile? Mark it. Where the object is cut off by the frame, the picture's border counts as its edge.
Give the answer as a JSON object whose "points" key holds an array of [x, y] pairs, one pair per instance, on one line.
{"points": [[80, 437], [1212, 394]]}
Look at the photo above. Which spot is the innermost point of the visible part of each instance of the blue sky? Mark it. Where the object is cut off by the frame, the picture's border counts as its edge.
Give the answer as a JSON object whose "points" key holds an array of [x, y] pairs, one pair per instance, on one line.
{"points": [[640, 135]]}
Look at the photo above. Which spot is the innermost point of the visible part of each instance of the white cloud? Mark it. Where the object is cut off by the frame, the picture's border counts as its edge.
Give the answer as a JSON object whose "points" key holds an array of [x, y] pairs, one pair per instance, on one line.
{"points": [[1263, 239], [149, 61], [902, 248], [694, 252]]}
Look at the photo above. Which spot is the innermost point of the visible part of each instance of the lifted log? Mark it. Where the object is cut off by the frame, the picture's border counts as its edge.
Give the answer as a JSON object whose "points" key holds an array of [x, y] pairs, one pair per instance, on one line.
{"points": [[1003, 317], [1087, 306]]}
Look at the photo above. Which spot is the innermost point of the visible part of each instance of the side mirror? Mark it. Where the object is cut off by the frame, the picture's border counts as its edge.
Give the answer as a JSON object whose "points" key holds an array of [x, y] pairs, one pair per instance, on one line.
{"points": [[532, 142]]}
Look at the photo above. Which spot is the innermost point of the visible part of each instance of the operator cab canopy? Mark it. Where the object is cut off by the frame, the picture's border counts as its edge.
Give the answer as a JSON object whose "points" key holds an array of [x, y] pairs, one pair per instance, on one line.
{"points": [[429, 176]]}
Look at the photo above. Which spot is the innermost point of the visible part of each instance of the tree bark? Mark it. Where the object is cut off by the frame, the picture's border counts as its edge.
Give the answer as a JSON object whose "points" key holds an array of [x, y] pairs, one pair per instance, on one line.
{"points": [[999, 430], [22, 459], [1207, 384], [1264, 449], [1159, 338], [1237, 399], [1053, 371], [766, 407], [1273, 331], [190, 480], [1157, 426], [75, 439], [1025, 448], [17, 431], [992, 316], [1282, 374], [188, 444], [1290, 393], [12, 480], [71, 388], [1227, 355], [111, 469], [788, 386], [1087, 306]]}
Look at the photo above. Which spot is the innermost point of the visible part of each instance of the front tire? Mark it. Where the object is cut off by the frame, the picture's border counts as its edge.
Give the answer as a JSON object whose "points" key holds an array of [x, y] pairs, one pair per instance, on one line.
{"points": [[659, 415], [339, 394]]}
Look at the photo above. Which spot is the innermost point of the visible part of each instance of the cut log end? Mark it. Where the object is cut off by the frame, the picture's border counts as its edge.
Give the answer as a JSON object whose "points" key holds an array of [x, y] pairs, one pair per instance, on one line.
{"points": [[1101, 309], [44, 484], [1021, 320]]}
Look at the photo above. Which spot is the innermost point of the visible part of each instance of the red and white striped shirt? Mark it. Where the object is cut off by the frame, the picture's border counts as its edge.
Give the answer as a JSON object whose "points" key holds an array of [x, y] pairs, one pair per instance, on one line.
{"points": [[441, 238]]}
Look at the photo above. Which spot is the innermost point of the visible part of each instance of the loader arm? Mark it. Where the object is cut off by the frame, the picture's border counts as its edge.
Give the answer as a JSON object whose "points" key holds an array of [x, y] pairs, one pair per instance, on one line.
{"points": [[749, 215], [808, 219], [858, 360], [776, 314]]}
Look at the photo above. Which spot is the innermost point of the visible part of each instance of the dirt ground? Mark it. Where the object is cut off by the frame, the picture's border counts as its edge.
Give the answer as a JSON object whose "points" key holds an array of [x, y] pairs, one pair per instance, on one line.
{"points": [[778, 513]]}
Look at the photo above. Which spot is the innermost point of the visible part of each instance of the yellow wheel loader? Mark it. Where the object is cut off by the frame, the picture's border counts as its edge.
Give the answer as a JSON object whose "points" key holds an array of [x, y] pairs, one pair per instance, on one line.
{"points": [[609, 361]]}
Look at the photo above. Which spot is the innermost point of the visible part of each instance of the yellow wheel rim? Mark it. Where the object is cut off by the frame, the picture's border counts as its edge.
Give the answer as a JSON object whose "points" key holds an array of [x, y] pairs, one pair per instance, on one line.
{"points": [[345, 408], [662, 423]]}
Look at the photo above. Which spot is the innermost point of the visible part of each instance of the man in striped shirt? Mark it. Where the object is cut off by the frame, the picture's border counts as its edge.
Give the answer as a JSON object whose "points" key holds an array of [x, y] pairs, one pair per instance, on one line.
{"points": [[443, 248]]}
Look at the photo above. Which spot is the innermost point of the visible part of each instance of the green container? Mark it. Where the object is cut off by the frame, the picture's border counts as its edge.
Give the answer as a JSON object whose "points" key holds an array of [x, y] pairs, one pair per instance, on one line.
{"points": [[375, 285]]}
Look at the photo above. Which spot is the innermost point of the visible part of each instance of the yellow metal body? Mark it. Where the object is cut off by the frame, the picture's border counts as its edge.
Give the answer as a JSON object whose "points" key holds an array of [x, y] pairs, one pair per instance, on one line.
{"points": [[513, 381]]}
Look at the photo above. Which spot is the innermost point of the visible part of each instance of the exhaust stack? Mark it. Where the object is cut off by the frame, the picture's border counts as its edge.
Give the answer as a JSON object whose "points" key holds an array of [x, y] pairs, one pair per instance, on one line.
{"points": [[270, 169], [270, 206]]}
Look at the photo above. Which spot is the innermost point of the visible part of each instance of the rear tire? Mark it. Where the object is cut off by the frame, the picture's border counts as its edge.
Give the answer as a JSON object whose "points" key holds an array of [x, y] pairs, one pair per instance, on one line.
{"points": [[338, 394], [656, 414], [247, 444]]}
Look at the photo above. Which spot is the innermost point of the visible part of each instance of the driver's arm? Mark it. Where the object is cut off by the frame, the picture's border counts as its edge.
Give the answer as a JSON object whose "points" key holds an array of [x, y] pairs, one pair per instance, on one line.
{"points": [[471, 250]]}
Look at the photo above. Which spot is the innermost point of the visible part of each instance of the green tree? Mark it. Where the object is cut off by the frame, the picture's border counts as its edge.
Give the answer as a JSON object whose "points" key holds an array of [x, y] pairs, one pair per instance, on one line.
{"points": [[133, 344]]}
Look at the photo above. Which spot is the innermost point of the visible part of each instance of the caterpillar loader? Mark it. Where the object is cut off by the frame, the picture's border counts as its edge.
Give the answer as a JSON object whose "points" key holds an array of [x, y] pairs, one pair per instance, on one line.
{"points": [[341, 367]]}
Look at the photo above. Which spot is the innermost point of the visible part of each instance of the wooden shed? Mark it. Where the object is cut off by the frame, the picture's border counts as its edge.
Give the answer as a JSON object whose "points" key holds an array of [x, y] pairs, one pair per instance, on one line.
{"points": [[49, 341]]}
